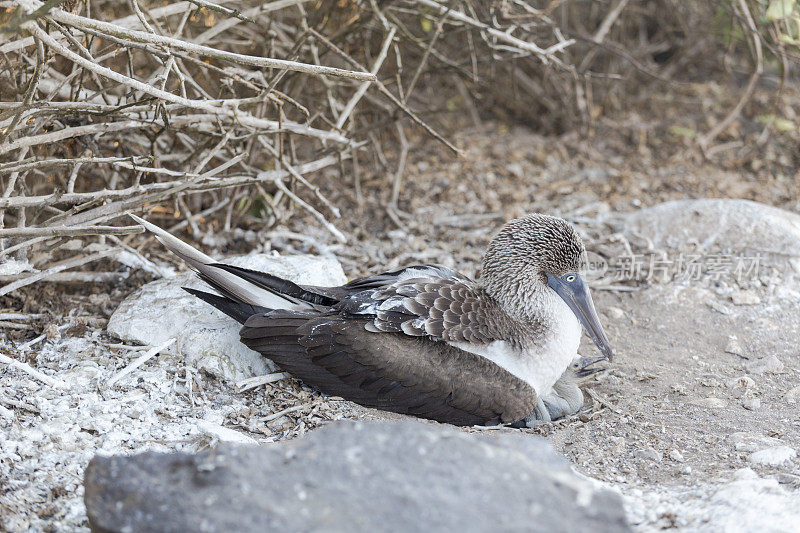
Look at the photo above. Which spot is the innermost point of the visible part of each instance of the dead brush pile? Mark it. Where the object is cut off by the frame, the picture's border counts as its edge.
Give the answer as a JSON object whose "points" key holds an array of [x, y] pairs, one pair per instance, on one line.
{"points": [[220, 113]]}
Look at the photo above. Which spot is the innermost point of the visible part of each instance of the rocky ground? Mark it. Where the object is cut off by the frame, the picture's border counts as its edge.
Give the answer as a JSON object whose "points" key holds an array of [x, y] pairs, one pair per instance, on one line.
{"points": [[695, 423]]}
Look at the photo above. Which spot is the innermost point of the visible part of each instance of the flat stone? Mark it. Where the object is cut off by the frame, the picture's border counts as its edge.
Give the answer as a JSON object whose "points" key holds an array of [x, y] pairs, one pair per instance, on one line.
{"points": [[746, 441], [649, 454], [615, 313], [723, 245], [676, 456], [206, 338], [785, 478], [741, 382], [772, 456], [745, 474], [793, 395], [734, 346], [749, 503], [710, 403], [354, 476], [751, 404], [717, 224], [767, 365], [745, 298], [720, 308]]}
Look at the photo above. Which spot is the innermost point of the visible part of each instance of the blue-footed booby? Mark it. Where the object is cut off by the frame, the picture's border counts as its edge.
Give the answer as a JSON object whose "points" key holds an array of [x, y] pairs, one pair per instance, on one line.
{"points": [[425, 340]]}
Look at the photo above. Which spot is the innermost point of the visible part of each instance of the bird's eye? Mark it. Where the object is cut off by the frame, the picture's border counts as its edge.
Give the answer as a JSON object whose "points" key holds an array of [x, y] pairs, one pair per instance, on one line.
{"points": [[570, 278]]}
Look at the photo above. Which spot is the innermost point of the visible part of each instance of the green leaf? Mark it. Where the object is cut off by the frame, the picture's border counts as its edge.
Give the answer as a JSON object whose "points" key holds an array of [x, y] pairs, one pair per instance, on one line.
{"points": [[782, 124], [788, 40], [682, 131], [780, 9], [779, 123], [426, 23]]}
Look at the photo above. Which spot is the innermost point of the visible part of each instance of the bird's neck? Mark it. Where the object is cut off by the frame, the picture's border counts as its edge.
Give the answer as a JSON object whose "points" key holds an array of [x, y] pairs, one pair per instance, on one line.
{"points": [[535, 306]]}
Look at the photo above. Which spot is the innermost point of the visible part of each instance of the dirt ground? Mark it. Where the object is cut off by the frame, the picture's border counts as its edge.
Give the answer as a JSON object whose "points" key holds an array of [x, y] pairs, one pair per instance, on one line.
{"points": [[678, 402], [660, 418]]}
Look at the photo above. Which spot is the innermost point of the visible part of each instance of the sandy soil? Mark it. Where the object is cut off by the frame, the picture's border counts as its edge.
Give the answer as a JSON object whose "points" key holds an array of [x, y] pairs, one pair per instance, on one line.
{"points": [[682, 412]]}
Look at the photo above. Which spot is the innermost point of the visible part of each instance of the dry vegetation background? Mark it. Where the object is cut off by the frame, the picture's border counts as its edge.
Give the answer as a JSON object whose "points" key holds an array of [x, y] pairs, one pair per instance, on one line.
{"points": [[231, 116]]}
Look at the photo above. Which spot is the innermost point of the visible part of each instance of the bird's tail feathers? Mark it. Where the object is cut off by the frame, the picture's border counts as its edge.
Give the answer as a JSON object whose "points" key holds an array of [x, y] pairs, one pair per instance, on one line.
{"points": [[281, 286], [239, 311], [227, 283]]}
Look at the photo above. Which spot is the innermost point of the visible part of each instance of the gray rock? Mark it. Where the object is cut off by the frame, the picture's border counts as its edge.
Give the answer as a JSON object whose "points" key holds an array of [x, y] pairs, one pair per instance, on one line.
{"points": [[751, 404], [772, 456], [649, 454], [354, 476], [785, 478], [745, 441], [740, 297], [743, 383], [751, 503], [768, 365], [734, 346], [676, 456], [723, 244], [717, 224], [710, 403], [793, 395], [206, 338], [615, 313]]}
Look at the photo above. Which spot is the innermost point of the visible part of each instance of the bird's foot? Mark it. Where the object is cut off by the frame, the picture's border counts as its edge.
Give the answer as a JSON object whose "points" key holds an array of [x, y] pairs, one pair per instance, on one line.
{"points": [[565, 399], [540, 415], [550, 408]]}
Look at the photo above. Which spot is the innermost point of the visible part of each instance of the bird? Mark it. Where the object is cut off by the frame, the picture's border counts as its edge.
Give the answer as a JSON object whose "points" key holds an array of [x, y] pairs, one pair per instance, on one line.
{"points": [[426, 340]]}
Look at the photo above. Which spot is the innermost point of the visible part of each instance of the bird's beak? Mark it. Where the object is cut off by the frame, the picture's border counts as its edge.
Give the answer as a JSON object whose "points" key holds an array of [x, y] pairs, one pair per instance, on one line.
{"points": [[577, 297]]}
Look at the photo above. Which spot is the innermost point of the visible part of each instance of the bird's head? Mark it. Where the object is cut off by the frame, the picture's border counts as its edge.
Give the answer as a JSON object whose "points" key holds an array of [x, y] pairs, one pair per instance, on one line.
{"points": [[537, 253]]}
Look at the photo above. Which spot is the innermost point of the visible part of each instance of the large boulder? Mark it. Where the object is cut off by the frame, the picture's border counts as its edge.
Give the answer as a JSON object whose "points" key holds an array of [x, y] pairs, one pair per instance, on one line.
{"points": [[207, 338], [354, 476], [717, 225], [725, 245]]}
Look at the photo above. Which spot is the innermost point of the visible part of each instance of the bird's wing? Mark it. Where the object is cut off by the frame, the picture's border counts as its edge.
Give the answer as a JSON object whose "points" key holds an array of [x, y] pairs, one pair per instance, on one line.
{"points": [[451, 309], [390, 371], [386, 279], [320, 297]]}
